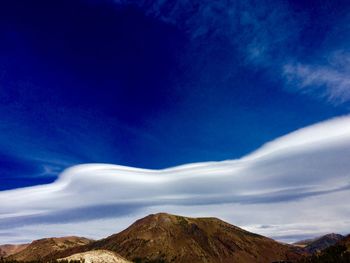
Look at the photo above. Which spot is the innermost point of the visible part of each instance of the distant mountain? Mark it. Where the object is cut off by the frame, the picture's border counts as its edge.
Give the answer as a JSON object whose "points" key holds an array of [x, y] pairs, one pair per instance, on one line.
{"points": [[338, 253], [97, 256], [320, 243], [43, 248], [170, 238], [7, 250]]}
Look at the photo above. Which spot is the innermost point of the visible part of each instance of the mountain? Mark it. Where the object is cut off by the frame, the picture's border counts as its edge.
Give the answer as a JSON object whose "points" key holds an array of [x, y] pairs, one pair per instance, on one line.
{"points": [[170, 238], [320, 243], [338, 253], [7, 250], [43, 248], [96, 256]]}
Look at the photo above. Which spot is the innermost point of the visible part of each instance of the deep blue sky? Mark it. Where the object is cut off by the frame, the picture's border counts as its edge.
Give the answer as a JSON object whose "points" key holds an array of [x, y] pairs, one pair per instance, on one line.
{"points": [[160, 84]]}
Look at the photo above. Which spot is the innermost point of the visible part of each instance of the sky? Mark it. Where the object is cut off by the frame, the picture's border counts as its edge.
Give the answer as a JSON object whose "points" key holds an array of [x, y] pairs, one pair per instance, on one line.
{"points": [[160, 84]]}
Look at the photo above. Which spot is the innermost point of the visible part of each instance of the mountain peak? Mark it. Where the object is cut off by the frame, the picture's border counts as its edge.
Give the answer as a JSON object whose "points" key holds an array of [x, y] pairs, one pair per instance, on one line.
{"points": [[171, 238], [165, 218]]}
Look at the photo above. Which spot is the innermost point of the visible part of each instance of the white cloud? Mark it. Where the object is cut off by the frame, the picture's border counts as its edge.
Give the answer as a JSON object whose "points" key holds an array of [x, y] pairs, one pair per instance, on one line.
{"points": [[294, 186]]}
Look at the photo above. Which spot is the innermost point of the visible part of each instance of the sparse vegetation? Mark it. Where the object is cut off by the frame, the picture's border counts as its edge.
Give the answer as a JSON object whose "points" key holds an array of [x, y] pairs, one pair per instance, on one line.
{"points": [[182, 221]]}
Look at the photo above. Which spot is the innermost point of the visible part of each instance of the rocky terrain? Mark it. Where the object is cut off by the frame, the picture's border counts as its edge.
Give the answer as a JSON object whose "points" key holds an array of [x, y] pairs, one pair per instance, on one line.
{"points": [[96, 256]]}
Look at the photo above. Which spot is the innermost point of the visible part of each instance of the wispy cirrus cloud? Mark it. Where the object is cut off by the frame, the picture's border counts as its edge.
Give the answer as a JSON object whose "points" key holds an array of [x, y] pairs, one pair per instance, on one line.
{"points": [[261, 32], [295, 184], [330, 80], [265, 36]]}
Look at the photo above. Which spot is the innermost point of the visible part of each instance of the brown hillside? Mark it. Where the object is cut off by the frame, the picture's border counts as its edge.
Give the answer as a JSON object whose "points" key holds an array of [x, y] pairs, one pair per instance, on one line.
{"points": [[42, 248], [169, 238]]}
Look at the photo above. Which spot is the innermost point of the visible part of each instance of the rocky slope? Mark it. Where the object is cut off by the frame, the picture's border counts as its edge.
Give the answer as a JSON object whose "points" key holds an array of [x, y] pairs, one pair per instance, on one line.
{"points": [[170, 238], [97, 256]]}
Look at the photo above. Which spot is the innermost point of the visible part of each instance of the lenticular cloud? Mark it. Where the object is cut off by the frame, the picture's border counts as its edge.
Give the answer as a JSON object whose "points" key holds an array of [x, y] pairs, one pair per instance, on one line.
{"points": [[292, 187]]}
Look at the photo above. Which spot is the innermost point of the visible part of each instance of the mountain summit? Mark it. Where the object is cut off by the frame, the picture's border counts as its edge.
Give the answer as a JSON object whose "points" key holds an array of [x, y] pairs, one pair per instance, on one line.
{"points": [[170, 238]]}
